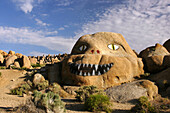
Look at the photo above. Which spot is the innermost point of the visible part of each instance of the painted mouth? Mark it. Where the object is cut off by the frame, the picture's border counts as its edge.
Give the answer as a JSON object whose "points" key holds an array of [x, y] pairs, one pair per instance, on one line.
{"points": [[89, 69]]}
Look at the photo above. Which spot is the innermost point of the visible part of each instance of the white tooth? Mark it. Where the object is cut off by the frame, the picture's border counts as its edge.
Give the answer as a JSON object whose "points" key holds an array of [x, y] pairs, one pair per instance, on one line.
{"points": [[88, 73], [99, 73], [79, 66], [104, 65], [84, 73], [80, 72], [84, 65], [104, 71], [111, 65], [96, 67], [93, 72], [107, 68]]}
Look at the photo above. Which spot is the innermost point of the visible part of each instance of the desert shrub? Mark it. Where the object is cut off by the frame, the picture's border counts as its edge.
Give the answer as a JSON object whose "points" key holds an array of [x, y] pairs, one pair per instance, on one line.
{"points": [[42, 85], [144, 106], [23, 68], [2, 67], [98, 102], [49, 101], [37, 65], [85, 91], [22, 89], [29, 86], [54, 87], [13, 67]]}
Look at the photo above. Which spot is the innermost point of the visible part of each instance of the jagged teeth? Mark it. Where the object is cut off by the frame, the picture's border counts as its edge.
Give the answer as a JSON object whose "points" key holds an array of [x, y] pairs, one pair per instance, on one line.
{"points": [[96, 67], [99, 73], [79, 66], [80, 73], [84, 73], [89, 69], [93, 72]]}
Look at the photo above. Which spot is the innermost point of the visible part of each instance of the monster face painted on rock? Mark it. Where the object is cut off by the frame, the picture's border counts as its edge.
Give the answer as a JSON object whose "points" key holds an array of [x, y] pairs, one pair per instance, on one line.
{"points": [[103, 59]]}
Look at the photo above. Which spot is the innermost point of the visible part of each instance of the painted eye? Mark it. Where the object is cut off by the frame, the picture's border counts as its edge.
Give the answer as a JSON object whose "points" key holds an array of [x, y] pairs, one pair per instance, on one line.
{"points": [[82, 47], [113, 46]]}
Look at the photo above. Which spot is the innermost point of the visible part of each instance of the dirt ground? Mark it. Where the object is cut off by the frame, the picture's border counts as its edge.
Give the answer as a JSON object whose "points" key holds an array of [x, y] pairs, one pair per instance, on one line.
{"points": [[10, 79]]}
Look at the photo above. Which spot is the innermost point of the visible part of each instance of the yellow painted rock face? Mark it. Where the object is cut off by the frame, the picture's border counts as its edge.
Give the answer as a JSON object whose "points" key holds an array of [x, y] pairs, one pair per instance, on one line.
{"points": [[103, 59]]}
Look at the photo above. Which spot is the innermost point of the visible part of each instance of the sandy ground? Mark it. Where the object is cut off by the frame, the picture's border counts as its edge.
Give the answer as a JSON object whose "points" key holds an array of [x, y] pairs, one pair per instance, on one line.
{"points": [[12, 78], [8, 80]]}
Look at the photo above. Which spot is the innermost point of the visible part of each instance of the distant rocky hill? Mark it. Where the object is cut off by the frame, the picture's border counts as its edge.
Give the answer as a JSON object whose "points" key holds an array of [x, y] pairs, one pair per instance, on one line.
{"points": [[18, 60]]}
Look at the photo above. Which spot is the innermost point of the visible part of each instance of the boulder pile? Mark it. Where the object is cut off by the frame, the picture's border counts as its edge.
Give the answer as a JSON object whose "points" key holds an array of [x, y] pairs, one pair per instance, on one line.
{"points": [[17, 60]]}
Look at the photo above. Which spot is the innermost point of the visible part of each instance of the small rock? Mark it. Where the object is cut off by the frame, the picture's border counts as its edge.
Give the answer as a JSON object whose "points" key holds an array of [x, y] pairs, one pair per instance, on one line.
{"points": [[71, 89], [13, 80], [24, 95], [38, 78]]}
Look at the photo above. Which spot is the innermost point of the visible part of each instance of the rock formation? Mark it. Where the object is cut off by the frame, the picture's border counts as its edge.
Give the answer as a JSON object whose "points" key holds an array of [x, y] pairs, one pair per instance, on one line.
{"points": [[154, 58], [131, 91], [167, 45], [103, 59]]}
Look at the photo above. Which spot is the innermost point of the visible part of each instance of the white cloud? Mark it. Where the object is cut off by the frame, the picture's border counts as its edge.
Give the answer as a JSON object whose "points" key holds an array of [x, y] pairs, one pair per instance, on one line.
{"points": [[64, 2], [61, 28], [142, 22], [26, 5], [41, 23], [44, 15], [39, 38]]}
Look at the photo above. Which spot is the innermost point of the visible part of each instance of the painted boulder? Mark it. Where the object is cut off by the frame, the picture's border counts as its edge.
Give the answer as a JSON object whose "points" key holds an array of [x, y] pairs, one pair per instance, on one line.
{"points": [[103, 59]]}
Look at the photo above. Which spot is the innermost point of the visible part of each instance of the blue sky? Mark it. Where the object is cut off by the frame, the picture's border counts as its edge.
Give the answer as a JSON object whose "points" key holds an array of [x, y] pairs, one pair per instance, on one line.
{"points": [[37, 27]]}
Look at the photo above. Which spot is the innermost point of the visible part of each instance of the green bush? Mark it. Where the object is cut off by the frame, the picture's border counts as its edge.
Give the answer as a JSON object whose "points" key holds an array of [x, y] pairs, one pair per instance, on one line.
{"points": [[2, 67], [98, 102], [14, 67], [22, 89], [54, 87], [42, 85], [144, 106], [37, 65], [49, 101], [23, 68], [85, 91]]}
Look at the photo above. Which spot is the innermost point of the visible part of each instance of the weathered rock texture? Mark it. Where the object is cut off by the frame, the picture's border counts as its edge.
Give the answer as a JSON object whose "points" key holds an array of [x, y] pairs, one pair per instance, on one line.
{"points": [[38, 78], [162, 78], [10, 60], [103, 59], [1, 59], [155, 58], [11, 52], [25, 62], [167, 45], [132, 91]]}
